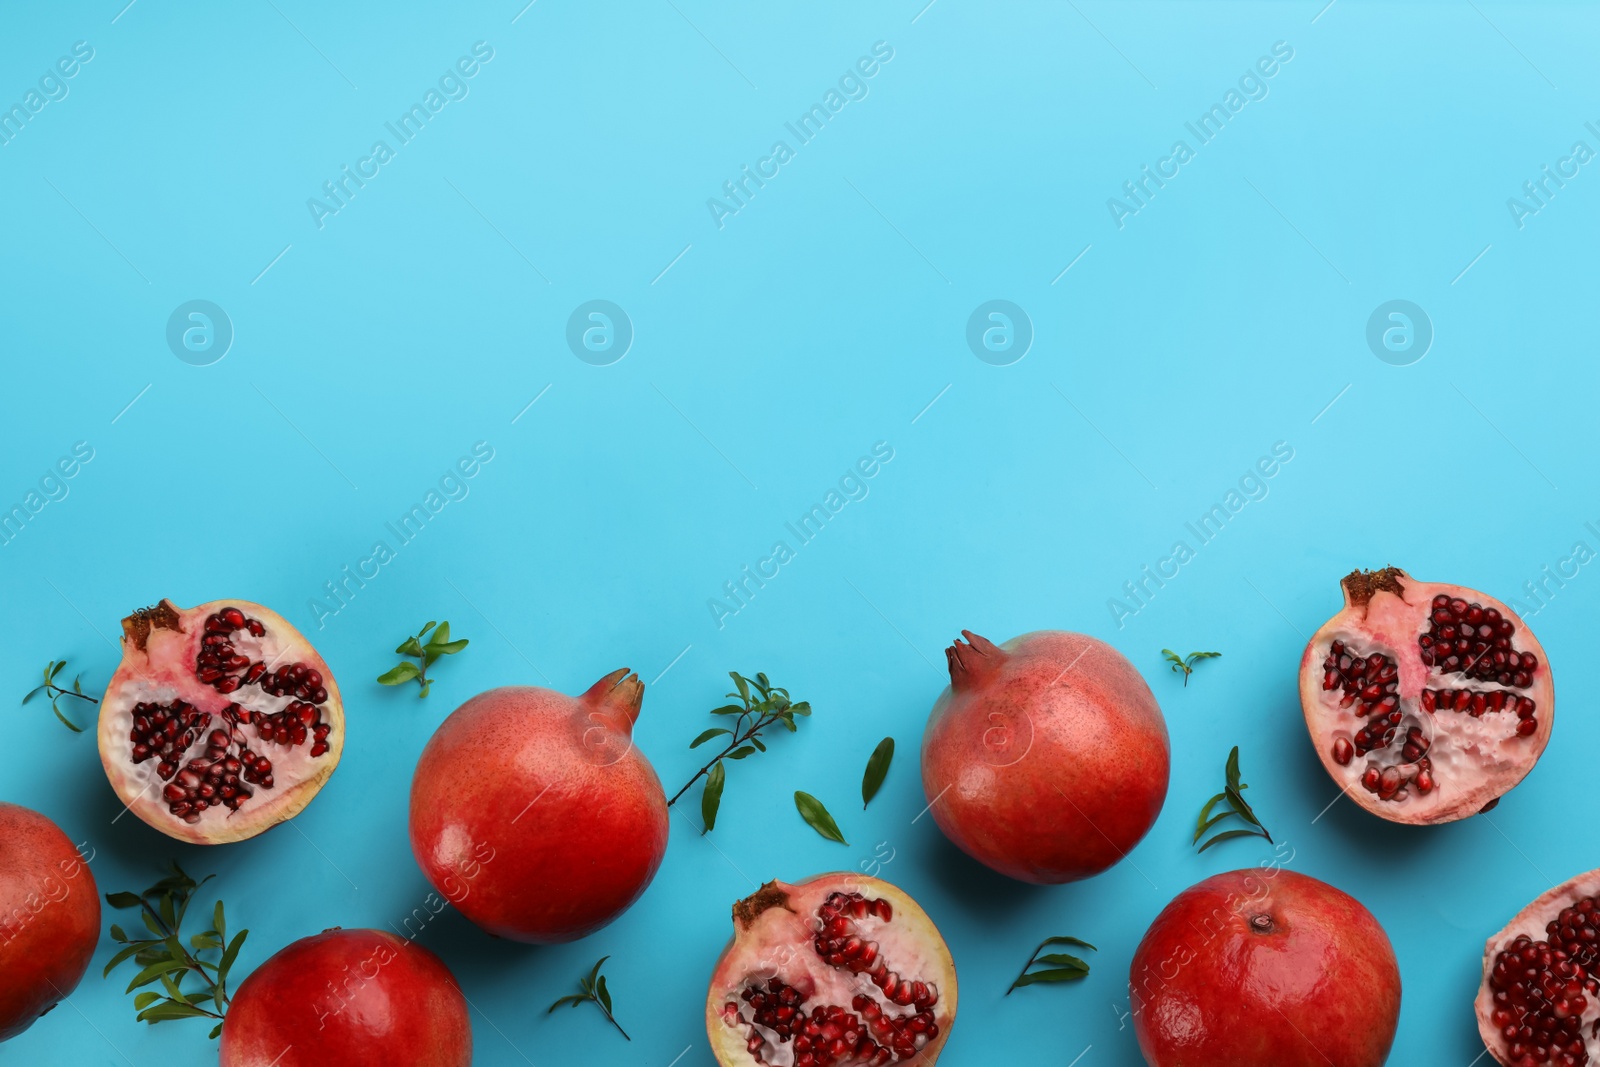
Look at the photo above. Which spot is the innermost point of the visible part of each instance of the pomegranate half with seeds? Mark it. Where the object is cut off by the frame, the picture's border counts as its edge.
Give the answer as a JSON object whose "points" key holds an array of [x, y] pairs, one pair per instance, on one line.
{"points": [[1426, 702], [1047, 757], [1539, 1002], [840, 971], [349, 998], [221, 721]]}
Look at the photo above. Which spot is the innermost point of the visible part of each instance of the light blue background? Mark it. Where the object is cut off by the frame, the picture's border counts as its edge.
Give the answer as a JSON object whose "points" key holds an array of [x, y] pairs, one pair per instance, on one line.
{"points": [[825, 316]]}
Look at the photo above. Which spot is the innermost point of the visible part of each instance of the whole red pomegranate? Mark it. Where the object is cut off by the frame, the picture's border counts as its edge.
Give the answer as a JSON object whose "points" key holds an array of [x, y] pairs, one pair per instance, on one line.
{"points": [[535, 815], [1047, 757], [221, 721], [1540, 997], [1264, 968], [348, 998], [1426, 702], [840, 971], [49, 917]]}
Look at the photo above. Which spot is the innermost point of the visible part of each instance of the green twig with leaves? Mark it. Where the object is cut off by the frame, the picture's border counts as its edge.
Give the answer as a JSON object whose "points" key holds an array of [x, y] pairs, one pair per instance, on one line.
{"points": [[767, 706], [1233, 796], [56, 693], [164, 957], [1186, 663], [426, 649], [594, 989], [1057, 966]]}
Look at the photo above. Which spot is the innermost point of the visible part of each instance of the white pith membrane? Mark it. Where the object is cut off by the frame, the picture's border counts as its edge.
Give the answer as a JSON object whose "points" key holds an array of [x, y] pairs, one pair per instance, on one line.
{"points": [[818, 977], [220, 722], [1425, 742], [1538, 1003]]}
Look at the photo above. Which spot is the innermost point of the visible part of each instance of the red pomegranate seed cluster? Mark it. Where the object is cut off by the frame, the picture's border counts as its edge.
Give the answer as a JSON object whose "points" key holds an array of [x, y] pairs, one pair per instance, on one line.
{"points": [[1541, 989], [220, 666], [1476, 702], [831, 1036], [224, 771], [1467, 638]]}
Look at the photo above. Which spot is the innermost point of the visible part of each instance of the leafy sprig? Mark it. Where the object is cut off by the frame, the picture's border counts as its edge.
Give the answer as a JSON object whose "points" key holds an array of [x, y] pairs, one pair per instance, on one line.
{"points": [[1057, 966], [426, 649], [165, 958], [1186, 663], [1233, 796], [56, 693], [768, 705], [594, 989], [877, 770]]}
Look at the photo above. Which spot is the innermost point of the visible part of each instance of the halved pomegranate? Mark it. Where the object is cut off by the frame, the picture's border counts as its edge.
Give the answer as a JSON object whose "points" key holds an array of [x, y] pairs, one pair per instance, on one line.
{"points": [[841, 971], [1539, 1002], [221, 722], [1426, 702]]}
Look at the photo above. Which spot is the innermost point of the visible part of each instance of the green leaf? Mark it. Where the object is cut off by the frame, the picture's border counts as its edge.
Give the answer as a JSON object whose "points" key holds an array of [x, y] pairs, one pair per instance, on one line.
{"points": [[123, 900], [603, 994], [152, 972], [68, 723], [1232, 771], [594, 972], [1195, 657], [55, 669], [230, 954], [1063, 974], [569, 1001], [730, 709], [399, 675], [441, 635], [119, 957], [877, 770], [742, 685], [409, 647], [170, 1010], [144, 1000], [1205, 813], [741, 752], [215, 1030], [802, 708], [715, 731], [1230, 833], [218, 925], [449, 648], [1047, 942], [816, 815], [756, 741], [427, 684], [118, 934], [711, 799], [34, 692], [172, 989], [1061, 959]]}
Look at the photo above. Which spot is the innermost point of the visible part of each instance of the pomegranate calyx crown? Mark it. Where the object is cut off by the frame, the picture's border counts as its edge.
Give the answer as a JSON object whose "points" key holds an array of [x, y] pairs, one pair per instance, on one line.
{"points": [[619, 693], [1360, 585], [137, 626], [973, 660], [771, 895]]}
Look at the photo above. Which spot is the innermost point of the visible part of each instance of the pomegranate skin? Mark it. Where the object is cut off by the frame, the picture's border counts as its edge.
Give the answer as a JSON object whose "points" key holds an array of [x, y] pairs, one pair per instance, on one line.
{"points": [[349, 998], [49, 917], [1265, 968], [1047, 757], [534, 813]]}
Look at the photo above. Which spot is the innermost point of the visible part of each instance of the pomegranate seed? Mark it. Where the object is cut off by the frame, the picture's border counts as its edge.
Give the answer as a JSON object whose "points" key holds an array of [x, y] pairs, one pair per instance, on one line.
{"points": [[1343, 751], [233, 617]]}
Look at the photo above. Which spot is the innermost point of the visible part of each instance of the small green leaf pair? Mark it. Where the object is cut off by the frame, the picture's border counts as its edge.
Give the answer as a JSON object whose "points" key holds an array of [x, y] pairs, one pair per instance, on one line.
{"points": [[1186, 663], [816, 814], [56, 693], [594, 989], [426, 649], [1233, 795], [164, 958], [1057, 966]]}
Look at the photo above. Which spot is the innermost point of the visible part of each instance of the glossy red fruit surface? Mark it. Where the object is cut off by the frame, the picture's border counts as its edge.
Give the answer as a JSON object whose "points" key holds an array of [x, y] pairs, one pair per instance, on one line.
{"points": [[1426, 702], [1047, 757], [348, 998], [1265, 968], [842, 970], [49, 917], [221, 721], [534, 813]]}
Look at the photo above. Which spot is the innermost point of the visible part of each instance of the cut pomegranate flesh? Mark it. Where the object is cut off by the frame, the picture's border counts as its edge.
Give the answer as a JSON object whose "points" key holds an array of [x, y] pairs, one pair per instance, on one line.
{"points": [[1539, 1002], [858, 977], [1427, 702], [221, 721]]}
